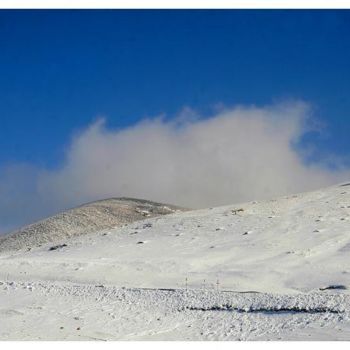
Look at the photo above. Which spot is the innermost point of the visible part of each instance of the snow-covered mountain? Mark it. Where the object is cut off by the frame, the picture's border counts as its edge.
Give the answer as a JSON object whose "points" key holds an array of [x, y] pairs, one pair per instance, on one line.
{"points": [[88, 218], [259, 270]]}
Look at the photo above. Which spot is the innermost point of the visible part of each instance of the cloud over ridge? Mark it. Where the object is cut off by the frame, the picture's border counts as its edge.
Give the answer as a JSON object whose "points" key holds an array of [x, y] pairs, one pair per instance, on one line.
{"points": [[239, 154]]}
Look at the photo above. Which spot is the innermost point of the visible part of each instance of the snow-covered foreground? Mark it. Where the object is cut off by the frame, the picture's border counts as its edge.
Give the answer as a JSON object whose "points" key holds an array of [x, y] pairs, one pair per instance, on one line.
{"points": [[67, 311], [111, 284]]}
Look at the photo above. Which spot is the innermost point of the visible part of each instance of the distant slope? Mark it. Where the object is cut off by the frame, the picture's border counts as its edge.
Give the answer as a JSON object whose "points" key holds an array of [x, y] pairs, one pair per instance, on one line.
{"points": [[88, 218]]}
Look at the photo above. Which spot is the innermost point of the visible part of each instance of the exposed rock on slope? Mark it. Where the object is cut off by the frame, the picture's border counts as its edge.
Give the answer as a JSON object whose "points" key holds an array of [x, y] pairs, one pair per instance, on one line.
{"points": [[88, 218]]}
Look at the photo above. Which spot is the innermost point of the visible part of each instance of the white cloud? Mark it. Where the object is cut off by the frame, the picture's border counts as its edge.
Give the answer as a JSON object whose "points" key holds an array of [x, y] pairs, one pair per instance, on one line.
{"points": [[239, 154]]}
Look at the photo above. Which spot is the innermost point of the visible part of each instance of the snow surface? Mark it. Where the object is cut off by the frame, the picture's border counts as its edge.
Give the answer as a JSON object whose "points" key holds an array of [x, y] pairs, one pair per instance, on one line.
{"points": [[277, 269]]}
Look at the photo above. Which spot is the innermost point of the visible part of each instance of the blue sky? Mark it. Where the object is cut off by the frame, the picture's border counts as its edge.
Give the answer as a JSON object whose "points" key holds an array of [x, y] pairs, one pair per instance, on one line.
{"points": [[251, 78], [59, 70]]}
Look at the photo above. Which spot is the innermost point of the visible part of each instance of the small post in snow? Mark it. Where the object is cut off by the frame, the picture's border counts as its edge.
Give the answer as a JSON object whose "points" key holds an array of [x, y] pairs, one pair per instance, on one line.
{"points": [[186, 284], [217, 284]]}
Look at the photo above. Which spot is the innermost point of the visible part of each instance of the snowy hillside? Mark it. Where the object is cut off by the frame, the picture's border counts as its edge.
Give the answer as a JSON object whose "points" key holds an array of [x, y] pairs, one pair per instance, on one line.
{"points": [[218, 273], [88, 218]]}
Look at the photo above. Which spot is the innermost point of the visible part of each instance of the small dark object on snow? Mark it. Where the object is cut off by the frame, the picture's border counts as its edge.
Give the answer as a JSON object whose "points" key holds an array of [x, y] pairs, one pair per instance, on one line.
{"points": [[78, 329], [140, 242], [334, 286], [147, 225], [235, 211], [245, 233], [59, 246]]}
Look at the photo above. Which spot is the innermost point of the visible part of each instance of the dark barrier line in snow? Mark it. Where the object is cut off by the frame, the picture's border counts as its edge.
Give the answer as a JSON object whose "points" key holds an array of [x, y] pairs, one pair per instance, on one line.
{"points": [[265, 309]]}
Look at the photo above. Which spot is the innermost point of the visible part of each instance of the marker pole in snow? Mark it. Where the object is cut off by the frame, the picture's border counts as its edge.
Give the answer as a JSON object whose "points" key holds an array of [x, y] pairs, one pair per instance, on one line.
{"points": [[186, 283], [217, 284]]}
